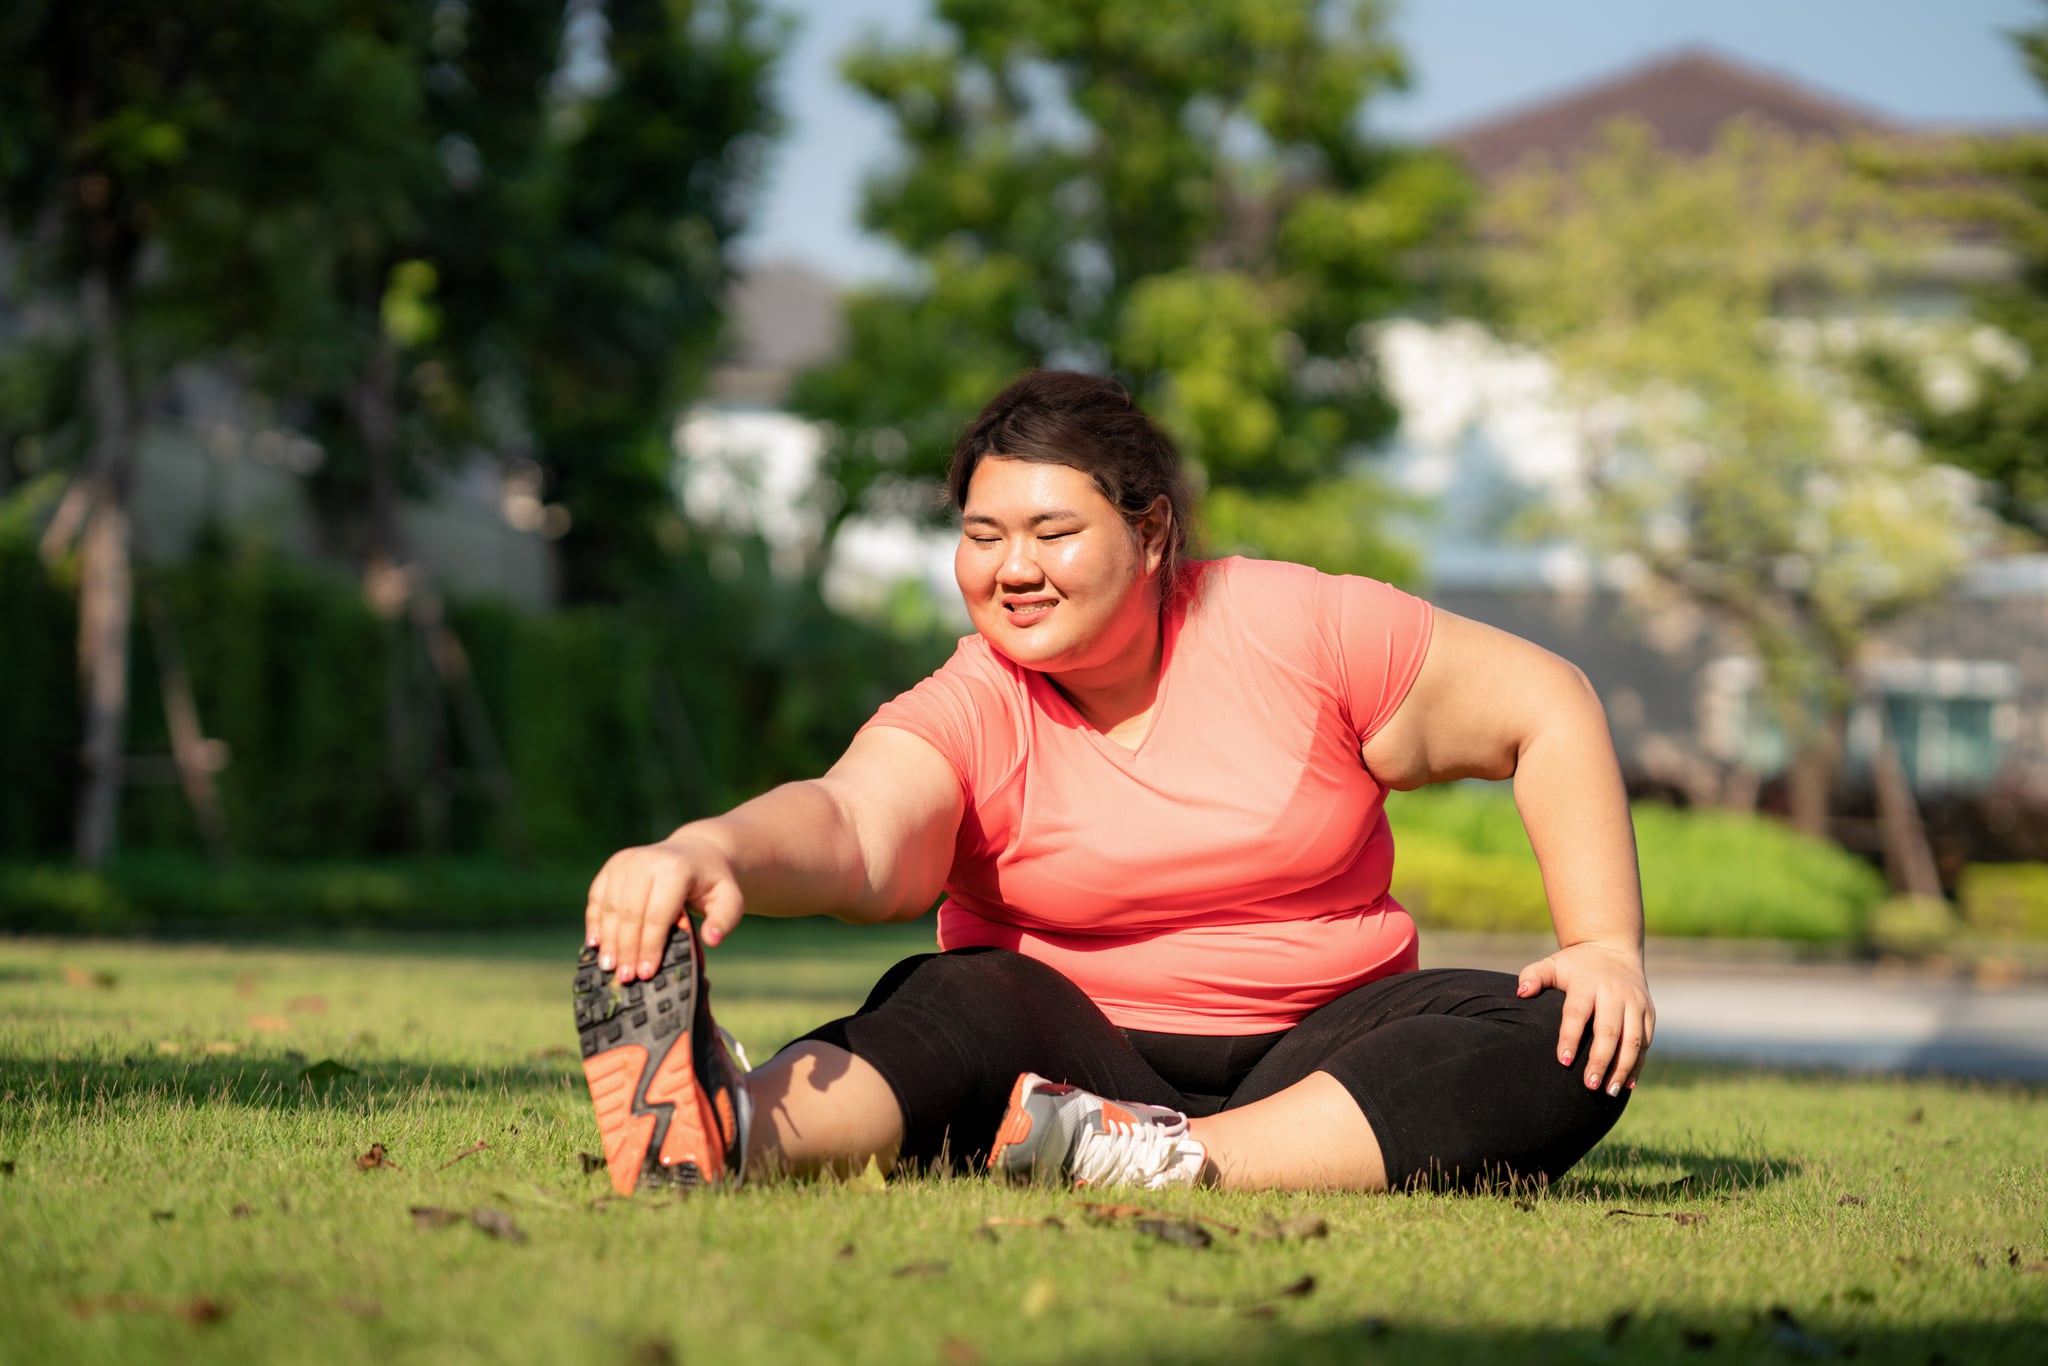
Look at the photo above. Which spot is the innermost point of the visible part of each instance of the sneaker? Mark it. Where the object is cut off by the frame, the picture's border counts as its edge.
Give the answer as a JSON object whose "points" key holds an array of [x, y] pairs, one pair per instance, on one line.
{"points": [[1059, 1133], [669, 1099]]}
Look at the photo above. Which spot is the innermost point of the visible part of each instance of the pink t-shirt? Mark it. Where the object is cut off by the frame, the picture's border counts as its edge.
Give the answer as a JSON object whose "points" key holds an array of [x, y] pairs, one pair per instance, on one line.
{"points": [[1230, 874]]}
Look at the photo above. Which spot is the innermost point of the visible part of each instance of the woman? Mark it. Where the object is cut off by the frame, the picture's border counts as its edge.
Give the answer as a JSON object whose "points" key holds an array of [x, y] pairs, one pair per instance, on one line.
{"points": [[1151, 792]]}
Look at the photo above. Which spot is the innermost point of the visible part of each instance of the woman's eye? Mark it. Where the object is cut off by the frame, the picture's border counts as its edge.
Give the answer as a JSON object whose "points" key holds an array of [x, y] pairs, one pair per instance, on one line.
{"points": [[984, 540], [1055, 535]]}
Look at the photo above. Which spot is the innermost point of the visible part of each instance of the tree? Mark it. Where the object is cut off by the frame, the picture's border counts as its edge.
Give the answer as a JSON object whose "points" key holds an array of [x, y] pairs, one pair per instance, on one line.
{"points": [[1726, 458], [1980, 399], [116, 121], [1181, 194]]}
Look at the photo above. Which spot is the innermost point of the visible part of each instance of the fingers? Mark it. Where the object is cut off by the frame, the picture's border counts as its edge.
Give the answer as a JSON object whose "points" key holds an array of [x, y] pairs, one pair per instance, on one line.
{"points": [[1578, 1009], [722, 907], [1649, 1019], [1535, 977], [660, 909], [1608, 1025]]}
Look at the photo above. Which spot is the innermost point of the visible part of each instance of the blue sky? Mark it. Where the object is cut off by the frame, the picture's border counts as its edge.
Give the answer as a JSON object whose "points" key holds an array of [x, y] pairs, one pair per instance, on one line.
{"points": [[1937, 61]]}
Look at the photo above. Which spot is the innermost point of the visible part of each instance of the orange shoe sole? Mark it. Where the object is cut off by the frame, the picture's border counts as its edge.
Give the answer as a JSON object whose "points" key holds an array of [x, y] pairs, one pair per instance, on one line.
{"points": [[658, 1125]]}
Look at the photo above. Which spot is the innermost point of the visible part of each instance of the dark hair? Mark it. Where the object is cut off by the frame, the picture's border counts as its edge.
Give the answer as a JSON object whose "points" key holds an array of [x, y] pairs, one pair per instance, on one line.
{"points": [[1089, 423]]}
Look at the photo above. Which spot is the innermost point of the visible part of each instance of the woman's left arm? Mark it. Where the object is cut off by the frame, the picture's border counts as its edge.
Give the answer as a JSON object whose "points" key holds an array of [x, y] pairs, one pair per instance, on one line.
{"points": [[1487, 704]]}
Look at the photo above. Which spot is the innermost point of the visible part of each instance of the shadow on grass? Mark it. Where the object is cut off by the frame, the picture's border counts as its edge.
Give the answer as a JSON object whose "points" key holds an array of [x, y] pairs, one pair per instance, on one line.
{"points": [[280, 1083], [1614, 1172], [1767, 1333]]}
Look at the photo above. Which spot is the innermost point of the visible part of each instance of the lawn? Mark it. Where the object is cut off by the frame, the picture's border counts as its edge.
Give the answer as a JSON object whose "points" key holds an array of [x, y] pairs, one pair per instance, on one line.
{"points": [[174, 1190]]}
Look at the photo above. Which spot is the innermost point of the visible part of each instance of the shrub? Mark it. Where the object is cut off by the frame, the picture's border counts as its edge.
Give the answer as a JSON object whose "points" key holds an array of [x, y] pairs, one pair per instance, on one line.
{"points": [[1713, 874], [144, 893], [2006, 900]]}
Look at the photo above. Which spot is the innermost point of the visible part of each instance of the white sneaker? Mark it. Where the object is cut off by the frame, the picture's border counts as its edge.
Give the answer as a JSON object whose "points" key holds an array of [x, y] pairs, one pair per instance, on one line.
{"points": [[1053, 1132]]}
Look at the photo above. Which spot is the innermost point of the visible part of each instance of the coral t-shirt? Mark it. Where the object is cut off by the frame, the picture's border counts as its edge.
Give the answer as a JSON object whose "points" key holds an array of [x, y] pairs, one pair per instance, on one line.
{"points": [[1227, 876]]}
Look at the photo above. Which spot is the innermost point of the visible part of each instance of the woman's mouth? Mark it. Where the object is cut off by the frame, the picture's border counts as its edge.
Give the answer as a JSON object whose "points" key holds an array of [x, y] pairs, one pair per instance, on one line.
{"points": [[1027, 611]]}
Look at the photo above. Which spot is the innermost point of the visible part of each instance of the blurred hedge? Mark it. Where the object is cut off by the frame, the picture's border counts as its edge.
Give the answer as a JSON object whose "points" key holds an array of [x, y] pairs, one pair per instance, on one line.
{"points": [[2005, 900], [615, 721], [1462, 861], [150, 893]]}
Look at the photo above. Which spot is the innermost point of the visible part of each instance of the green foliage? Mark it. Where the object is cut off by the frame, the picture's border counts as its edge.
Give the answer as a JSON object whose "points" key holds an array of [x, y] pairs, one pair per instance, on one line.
{"points": [[1463, 862], [615, 723], [180, 893], [1977, 395], [2006, 900], [1682, 301], [1180, 195], [37, 700]]}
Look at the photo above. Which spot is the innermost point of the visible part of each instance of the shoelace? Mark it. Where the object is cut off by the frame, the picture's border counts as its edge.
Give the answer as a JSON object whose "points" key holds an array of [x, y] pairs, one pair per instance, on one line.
{"points": [[1124, 1153]]}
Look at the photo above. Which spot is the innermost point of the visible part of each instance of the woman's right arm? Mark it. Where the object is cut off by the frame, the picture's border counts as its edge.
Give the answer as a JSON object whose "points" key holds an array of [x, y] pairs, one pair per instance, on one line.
{"points": [[870, 841]]}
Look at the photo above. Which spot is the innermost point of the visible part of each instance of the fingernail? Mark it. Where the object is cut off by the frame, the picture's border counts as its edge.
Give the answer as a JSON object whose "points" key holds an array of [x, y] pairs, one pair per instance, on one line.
{"points": [[1614, 1088], [1631, 1086], [604, 960], [712, 934], [1592, 1081], [1565, 1057], [589, 941], [647, 969]]}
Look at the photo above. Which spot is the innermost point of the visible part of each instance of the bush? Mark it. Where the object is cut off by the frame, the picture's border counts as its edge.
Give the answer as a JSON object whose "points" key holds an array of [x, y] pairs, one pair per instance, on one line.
{"points": [[2006, 900], [1707, 874], [148, 893]]}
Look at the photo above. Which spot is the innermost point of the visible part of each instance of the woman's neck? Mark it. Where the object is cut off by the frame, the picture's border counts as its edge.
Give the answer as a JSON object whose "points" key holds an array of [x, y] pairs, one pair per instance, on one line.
{"points": [[1116, 696]]}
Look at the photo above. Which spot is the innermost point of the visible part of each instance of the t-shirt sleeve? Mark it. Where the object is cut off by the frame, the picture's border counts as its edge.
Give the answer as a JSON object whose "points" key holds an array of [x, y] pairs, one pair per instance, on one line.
{"points": [[961, 714], [1378, 636]]}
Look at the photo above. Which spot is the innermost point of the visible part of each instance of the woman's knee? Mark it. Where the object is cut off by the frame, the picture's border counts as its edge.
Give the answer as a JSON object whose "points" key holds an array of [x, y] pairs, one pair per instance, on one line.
{"points": [[976, 978]]}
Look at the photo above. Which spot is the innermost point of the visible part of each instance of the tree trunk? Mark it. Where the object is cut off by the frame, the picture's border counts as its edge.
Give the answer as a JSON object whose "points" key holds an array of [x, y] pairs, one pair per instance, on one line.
{"points": [[1810, 780], [1908, 858], [106, 594]]}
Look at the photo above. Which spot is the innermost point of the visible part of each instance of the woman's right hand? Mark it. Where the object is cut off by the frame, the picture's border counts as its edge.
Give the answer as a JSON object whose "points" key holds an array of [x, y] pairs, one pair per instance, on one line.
{"points": [[643, 893]]}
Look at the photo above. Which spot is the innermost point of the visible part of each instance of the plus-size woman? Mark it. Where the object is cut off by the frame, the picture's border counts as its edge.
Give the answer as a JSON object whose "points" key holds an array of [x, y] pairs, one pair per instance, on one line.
{"points": [[1151, 793]]}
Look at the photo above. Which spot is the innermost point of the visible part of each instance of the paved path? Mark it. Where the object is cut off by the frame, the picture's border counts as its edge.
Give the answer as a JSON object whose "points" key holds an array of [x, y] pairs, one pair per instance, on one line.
{"points": [[1852, 1016]]}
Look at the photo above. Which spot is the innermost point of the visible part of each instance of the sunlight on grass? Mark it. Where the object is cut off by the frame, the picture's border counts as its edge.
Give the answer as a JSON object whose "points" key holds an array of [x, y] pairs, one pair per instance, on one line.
{"points": [[177, 1191]]}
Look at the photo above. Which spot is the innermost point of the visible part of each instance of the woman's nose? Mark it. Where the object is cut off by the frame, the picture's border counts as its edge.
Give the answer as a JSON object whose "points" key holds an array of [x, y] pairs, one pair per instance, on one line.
{"points": [[1019, 564]]}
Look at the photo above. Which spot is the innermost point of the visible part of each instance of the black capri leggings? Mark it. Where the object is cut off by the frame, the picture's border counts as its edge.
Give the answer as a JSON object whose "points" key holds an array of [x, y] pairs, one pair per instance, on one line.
{"points": [[1457, 1075]]}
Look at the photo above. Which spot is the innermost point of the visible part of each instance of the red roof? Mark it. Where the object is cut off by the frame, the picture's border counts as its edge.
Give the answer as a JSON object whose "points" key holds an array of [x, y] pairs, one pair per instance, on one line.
{"points": [[1685, 98]]}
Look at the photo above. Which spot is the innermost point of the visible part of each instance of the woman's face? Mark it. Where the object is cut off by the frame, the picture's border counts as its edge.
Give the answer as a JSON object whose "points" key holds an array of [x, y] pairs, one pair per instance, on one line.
{"points": [[1052, 574]]}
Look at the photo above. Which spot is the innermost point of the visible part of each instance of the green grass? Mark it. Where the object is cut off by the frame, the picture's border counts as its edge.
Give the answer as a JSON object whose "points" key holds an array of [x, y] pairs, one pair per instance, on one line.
{"points": [[1878, 1214]]}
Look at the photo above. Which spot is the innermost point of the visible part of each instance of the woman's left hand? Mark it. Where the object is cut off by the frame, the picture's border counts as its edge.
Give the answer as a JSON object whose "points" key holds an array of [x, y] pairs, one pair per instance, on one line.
{"points": [[1603, 983]]}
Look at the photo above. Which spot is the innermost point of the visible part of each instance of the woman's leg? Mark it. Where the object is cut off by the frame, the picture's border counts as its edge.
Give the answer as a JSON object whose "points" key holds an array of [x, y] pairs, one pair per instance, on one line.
{"points": [[923, 1071], [1443, 1078]]}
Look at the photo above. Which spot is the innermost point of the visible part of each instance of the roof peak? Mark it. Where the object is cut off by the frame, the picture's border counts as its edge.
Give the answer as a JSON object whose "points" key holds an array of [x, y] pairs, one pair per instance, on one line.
{"points": [[1685, 94]]}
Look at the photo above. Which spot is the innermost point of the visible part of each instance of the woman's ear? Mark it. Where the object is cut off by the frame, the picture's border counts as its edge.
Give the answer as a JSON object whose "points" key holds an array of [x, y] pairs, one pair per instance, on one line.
{"points": [[1154, 525]]}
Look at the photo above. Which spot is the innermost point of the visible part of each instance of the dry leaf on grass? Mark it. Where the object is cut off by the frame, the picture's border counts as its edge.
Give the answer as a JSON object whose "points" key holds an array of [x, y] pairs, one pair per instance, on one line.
{"points": [[959, 1352], [559, 1050], [1301, 1227], [377, 1158], [241, 1211], [430, 1216], [306, 1005], [1850, 1200], [1179, 1232], [1107, 1213], [199, 1310], [220, 1047], [1682, 1218], [922, 1269], [76, 976], [472, 1149], [162, 1216], [1299, 1289], [497, 1223], [270, 1024]]}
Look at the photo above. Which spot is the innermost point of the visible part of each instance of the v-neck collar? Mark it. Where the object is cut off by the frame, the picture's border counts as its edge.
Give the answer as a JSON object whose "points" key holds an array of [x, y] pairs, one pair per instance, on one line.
{"points": [[1063, 707]]}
